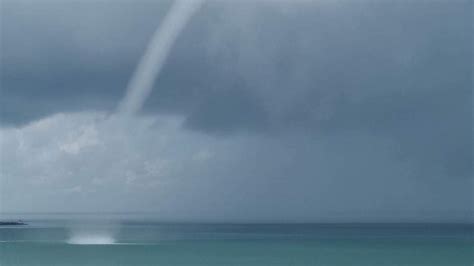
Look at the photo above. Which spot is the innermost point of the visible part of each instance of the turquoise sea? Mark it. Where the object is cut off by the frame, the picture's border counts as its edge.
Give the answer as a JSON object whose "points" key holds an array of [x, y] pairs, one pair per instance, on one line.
{"points": [[62, 242]]}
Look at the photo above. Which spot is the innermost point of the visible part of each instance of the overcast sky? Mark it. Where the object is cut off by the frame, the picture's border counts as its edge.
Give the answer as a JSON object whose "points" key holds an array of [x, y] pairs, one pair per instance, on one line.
{"points": [[264, 111]]}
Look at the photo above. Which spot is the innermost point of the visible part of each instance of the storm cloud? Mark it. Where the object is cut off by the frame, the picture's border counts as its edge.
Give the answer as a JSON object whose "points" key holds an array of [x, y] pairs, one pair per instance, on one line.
{"points": [[350, 109]]}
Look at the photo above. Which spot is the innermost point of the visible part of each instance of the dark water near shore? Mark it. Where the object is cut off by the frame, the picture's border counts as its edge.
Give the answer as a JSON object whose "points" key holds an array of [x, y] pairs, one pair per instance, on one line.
{"points": [[118, 242]]}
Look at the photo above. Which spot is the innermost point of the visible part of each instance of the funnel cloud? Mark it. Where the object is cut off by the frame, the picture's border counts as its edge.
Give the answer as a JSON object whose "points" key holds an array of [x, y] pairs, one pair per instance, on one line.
{"points": [[156, 53]]}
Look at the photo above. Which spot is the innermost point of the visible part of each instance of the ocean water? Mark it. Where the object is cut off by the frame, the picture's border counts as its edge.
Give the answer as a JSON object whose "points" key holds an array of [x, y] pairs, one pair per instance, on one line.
{"points": [[136, 243]]}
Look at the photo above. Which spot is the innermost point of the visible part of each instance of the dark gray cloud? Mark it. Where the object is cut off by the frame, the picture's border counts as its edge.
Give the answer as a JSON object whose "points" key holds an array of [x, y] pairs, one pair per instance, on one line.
{"points": [[395, 76], [295, 57]]}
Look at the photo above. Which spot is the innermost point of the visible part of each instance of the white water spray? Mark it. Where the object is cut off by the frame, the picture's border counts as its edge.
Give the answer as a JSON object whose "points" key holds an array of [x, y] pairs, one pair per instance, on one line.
{"points": [[92, 232], [156, 54], [91, 239]]}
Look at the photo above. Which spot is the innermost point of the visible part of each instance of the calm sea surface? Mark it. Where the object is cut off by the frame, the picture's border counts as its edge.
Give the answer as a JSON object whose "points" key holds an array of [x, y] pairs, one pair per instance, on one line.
{"points": [[135, 243]]}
